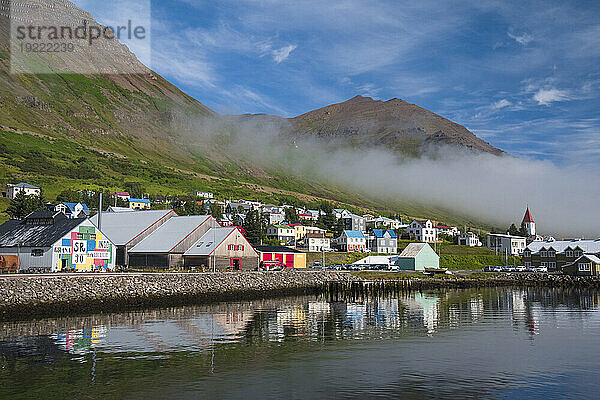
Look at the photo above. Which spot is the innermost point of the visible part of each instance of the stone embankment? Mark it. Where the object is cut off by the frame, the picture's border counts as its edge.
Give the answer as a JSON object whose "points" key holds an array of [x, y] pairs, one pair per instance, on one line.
{"points": [[33, 296], [26, 296]]}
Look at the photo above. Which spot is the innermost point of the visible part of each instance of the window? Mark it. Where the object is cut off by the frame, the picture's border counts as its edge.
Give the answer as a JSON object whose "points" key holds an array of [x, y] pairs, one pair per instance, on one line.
{"points": [[200, 244], [551, 253], [578, 253], [544, 264], [527, 264], [79, 236], [37, 253], [585, 267], [544, 254], [551, 265], [569, 253], [527, 253], [209, 244]]}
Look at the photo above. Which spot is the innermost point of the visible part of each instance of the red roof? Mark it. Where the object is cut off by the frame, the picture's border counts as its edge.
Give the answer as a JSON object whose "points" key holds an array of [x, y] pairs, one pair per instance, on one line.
{"points": [[528, 218]]}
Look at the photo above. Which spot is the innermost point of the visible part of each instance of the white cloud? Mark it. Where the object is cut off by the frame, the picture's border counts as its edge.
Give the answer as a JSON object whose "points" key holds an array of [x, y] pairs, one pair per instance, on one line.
{"points": [[523, 39], [283, 53], [546, 96], [501, 104]]}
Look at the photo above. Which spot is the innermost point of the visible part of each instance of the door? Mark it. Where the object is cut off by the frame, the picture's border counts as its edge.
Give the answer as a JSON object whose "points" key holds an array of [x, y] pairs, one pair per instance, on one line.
{"points": [[289, 260], [63, 264], [236, 264]]}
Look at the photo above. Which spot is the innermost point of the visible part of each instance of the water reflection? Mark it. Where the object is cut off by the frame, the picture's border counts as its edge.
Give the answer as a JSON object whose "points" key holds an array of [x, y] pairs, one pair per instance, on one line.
{"points": [[220, 337]]}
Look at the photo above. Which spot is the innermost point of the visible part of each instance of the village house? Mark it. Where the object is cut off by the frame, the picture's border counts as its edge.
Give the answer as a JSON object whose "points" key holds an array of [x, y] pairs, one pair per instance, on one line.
{"points": [[165, 247], [556, 254], [25, 188], [299, 231], [222, 248], [316, 242], [384, 223], [417, 257], [204, 195], [422, 231], [126, 228], [273, 256], [238, 208], [469, 239], [304, 216], [447, 230], [274, 218], [72, 210], [506, 244], [122, 195], [139, 204], [353, 222], [49, 241], [586, 265], [281, 233], [351, 241], [383, 241]]}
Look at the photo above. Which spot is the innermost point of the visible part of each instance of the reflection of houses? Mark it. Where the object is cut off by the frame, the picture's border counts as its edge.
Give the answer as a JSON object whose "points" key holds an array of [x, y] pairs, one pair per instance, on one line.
{"points": [[80, 341], [424, 304], [49, 241]]}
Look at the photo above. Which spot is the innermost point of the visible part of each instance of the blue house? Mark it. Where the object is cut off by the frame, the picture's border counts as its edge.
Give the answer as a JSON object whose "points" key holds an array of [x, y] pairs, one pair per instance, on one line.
{"points": [[383, 241], [351, 241]]}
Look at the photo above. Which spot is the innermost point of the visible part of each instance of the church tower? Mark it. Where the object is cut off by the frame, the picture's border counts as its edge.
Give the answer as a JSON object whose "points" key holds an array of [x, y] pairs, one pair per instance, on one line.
{"points": [[529, 223]]}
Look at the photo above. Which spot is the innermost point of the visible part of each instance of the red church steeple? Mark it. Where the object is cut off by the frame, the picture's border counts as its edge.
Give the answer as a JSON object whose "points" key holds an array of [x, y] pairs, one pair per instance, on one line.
{"points": [[527, 219]]}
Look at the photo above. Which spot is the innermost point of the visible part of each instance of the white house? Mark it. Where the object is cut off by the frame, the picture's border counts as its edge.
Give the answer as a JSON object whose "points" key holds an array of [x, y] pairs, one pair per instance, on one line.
{"points": [[284, 234], [422, 230], [514, 245], [351, 241], [383, 241], [204, 195], [315, 242], [469, 239], [73, 210], [274, 218], [447, 230], [25, 188]]}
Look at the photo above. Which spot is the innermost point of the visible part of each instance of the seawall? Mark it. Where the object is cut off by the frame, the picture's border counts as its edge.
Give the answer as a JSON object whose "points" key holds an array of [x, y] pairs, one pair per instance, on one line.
{"points": [[22, 297]]}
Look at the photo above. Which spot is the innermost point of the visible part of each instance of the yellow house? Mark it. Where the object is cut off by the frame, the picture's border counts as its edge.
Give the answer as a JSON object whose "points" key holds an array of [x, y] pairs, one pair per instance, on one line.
{"points": [[280, 255], [139, 204], [300, 232]]}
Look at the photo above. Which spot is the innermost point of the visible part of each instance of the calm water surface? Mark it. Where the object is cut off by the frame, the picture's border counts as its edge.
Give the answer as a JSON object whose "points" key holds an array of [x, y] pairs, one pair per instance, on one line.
{"points": [[487, 343]]}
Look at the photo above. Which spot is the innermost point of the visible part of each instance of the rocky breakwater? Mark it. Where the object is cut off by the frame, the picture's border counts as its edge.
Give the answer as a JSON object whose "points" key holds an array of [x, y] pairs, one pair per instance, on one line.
{"points": [[22, 297]]}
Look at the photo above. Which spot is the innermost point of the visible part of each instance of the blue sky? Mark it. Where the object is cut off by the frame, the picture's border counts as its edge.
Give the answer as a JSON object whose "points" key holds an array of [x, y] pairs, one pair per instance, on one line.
{"points": [[524, 76]]}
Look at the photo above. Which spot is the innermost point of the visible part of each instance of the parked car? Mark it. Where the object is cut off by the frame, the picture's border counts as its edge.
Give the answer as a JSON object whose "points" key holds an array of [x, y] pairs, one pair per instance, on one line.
{"points": [[540, 269], [498, 269], [521, 268]]}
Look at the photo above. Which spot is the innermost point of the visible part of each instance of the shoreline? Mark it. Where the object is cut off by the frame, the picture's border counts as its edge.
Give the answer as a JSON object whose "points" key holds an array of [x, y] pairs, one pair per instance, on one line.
{"points": [[29, 297]]}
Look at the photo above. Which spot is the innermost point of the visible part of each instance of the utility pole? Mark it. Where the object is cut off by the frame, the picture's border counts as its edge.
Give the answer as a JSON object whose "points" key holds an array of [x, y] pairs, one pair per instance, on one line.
{"points": [[100, 213]]}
